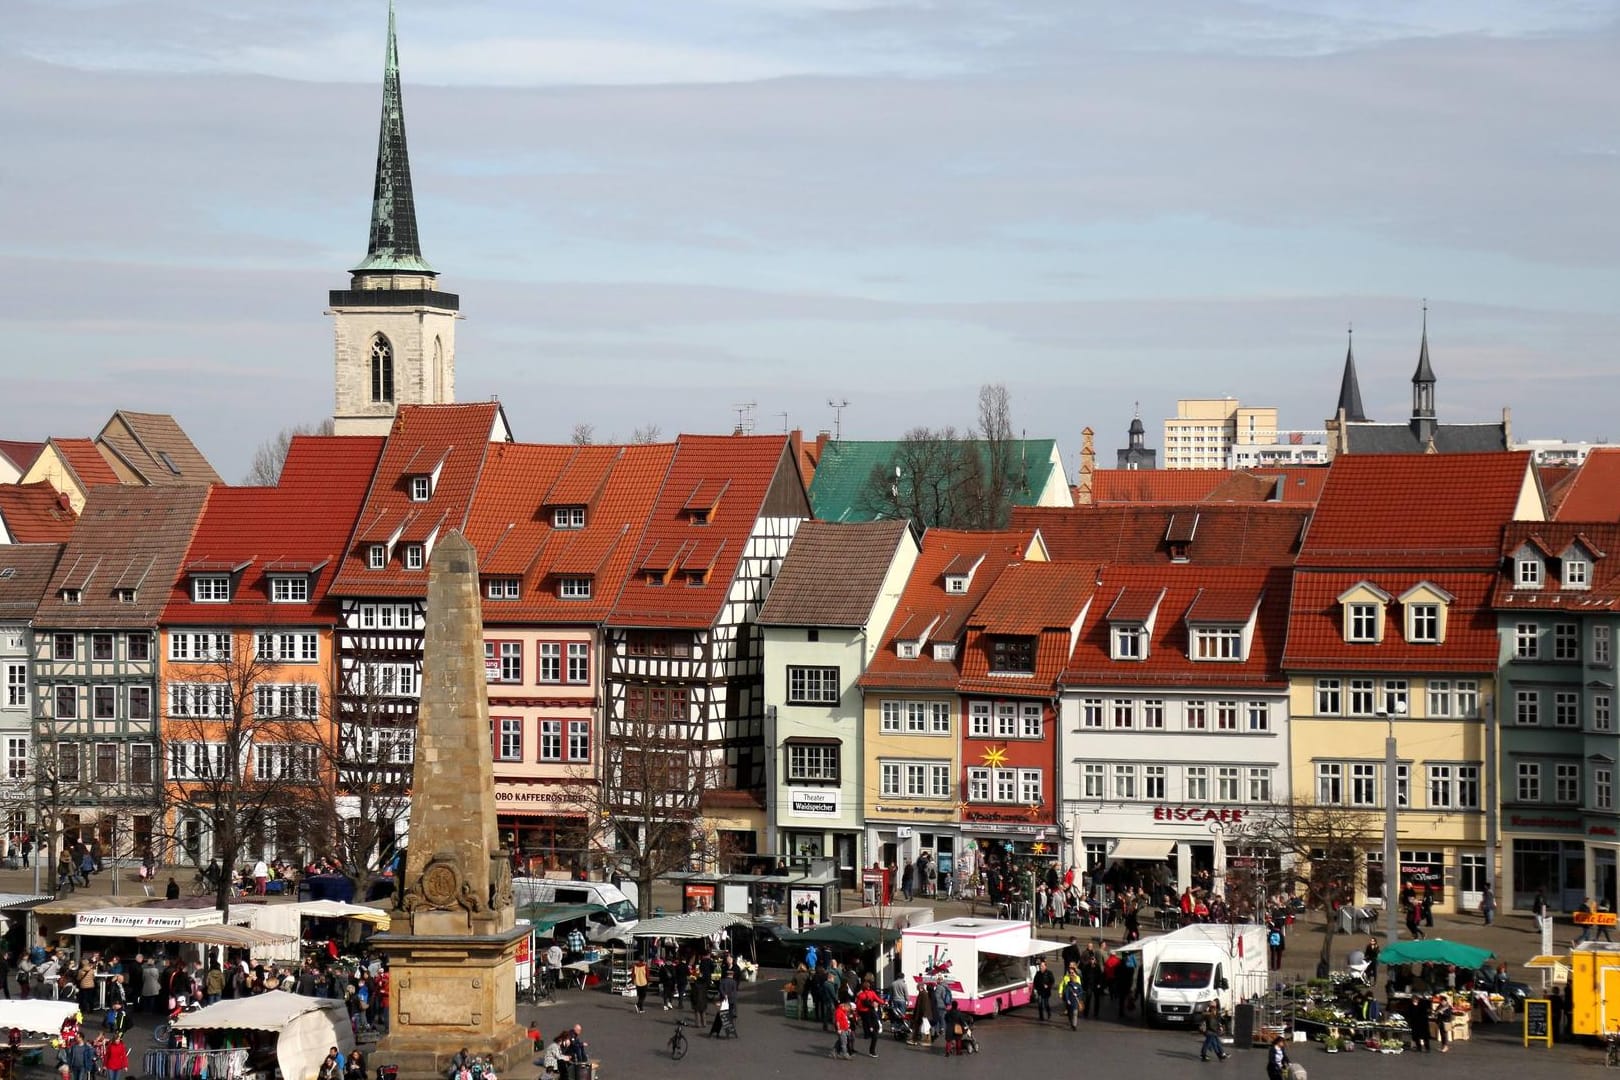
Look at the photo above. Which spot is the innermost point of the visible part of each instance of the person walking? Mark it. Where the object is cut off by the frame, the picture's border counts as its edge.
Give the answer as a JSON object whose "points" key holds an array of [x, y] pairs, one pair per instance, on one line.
{"points": [[1042, 985], [1210, 1025], [1417, 1019], [867, 1007], [1092, 978], [699, 997], [1274, 947], [1414, 925], [1428, 908], [117, 1061], [1487, 906], [1538, 908], [843, 1038], [666, 984], [1070, 989], [82, 1060], [1277, 1063], [907, 878], [639, 979]]}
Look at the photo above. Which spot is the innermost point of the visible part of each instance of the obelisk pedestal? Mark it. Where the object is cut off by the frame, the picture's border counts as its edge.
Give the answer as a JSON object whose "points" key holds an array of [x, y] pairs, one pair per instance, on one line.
{"points": [[452, 946]]}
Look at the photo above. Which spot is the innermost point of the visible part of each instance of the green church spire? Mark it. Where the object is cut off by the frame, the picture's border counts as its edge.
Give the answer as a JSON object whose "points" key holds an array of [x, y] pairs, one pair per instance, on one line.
{"points": [[394, 245]]}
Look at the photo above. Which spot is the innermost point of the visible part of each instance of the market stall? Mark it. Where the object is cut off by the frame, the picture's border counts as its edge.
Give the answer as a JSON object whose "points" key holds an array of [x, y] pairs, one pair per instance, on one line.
{"points": [[250, 1038]]}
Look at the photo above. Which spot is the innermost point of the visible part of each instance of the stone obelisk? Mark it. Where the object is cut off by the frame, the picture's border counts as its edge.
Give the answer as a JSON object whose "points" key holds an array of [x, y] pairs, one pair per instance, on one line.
{"points": [[452, 946]]}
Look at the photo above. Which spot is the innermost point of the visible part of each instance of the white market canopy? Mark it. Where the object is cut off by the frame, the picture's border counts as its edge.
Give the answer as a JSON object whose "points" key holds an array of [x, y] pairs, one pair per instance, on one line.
{"points": [[269, 1011], [1142, 849], [234, 937], [694, 924], [336, 909], [305, 1027], [131, 922], [36, 1014], [1025, 947]]}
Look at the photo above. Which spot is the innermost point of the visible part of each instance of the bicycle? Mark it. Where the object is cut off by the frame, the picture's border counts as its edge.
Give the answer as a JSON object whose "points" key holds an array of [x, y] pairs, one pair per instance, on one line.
{"points": [[677, 1041], [1611, 1041], [540, 989], [200, 885]]}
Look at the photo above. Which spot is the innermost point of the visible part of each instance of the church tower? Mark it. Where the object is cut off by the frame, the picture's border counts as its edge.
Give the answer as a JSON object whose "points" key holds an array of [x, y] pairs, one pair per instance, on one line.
{"points": [[395, 332], [1423, 389]]}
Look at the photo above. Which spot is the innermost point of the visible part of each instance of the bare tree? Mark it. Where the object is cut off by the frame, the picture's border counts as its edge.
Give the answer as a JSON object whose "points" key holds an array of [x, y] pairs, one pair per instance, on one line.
{"points": [[648, 798], [583, 435], [368, 751], [241, 753], [999, 471], [942, 477], [1320, 852], [265, 467], [646, 434]]}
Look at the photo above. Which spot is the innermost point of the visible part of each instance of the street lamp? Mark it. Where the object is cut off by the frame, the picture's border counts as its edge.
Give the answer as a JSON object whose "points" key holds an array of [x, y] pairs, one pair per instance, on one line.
{"points": [[1392, 865]]}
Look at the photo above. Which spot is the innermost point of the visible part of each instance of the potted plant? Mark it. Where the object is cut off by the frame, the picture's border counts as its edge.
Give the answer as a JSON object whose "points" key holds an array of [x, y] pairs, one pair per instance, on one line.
{"points": [[1333, 1042]]}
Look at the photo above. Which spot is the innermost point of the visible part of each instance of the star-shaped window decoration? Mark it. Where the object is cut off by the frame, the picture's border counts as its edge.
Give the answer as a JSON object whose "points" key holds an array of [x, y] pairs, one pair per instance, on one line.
{"points": [[995, 756]]}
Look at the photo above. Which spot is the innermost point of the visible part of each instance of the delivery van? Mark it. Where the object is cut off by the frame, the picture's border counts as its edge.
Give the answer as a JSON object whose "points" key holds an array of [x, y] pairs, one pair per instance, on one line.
{"points": [[614, 923], [1184, 970]]}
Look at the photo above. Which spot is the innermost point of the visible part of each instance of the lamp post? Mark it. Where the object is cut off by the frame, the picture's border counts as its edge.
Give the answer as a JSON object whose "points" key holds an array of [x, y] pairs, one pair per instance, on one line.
{"points": [[1392, 865]]}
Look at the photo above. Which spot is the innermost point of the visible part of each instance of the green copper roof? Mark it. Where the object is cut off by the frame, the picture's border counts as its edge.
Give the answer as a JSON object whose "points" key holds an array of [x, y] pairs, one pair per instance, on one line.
{"points": [[842, 488], [394, 243]]}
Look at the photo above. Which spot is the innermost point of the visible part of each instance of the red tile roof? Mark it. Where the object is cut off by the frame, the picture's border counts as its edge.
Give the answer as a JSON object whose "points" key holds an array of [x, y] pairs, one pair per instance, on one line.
{"points": [[925, 601], [1131, 603], [1039, 600], [1227, 535], [84, 459], [35, 513], [1316, 623], [731, 477], [511, 524], [1168, 663], [300, 525], [1416, 510], [1555, 483], [1593, 494], [834, 573], [421, 438], [20, 452], [1602, 543], [1155, 485], [25, 571]]}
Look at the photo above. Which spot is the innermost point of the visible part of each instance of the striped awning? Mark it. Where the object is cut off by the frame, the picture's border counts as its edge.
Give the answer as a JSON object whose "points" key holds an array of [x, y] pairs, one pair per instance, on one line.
{"points": [[238, 937]]}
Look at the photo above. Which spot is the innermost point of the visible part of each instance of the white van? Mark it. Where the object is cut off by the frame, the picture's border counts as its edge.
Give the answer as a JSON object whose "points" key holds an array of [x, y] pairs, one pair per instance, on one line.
{"points": [[614, 924]]}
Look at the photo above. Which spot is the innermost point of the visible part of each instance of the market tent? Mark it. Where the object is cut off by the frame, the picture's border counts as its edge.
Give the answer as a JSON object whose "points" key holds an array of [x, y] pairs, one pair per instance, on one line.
{"points": [[13, 901], [1025, 947], [235, 937], [1434, 951], [846, 934], [336, 909], [36, 1014], [72, 905], [306, 1026], [545, 918], [693, 924]]}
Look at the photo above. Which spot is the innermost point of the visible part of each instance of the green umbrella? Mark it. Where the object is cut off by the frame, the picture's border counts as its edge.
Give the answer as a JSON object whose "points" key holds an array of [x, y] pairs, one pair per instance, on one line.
{"points": [[1434, 951]]}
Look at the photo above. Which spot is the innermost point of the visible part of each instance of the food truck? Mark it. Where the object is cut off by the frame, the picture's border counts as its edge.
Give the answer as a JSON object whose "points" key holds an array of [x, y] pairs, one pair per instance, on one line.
{"points": [[985, 962]]}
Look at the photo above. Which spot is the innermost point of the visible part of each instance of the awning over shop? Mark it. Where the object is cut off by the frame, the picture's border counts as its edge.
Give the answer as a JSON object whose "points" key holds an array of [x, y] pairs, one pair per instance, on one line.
{"points": [[234, 937], [36, 1014], [1142, 849], [334, 909], [693, 924], [1027, 947], [545, 918], [72, 905]]}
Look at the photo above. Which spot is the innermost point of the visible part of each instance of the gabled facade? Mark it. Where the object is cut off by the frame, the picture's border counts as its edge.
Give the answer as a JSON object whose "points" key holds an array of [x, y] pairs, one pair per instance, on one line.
{"points": [[16, 455], [34, 514], [683, 643], [1391, 631], [1019, 639], [426, 475], [25, 571], [249, 615], [73, 467], [556, 529], [824, 619], [95, 667], [914, 721], [152, 450], [1557, 603]]}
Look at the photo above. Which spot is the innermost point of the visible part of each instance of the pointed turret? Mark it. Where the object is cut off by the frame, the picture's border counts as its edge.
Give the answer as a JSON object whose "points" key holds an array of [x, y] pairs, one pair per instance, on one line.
{"points": [[1423, 388], [394, 243], [1349, 387]]}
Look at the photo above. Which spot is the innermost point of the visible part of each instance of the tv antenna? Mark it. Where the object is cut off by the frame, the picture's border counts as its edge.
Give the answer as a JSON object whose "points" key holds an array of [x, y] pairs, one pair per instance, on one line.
{"points": [[838, 408], [784, 417], [745, 416]]}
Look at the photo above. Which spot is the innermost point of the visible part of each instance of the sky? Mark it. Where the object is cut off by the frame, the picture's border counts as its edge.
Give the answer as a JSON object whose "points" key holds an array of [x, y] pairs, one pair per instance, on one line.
{"points": [[655, 212]]}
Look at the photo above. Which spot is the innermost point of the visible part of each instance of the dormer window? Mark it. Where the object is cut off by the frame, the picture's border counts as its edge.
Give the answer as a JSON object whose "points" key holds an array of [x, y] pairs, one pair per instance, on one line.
{"points": [[1012, 656], [377, 557], [72, 596], [1528, 573], [1130, 642], [574, 588], [291, 589], [415, 557], [698, 517], [907, 650], [1362, 620], [421, 488], [501, 588], [944, 650], [696, 579], [126, 596], [956, 583], [1217, 643], [211, 588], [1577, 573], [1363, 606], [1423, 623], [568, 517], [958, 574]]}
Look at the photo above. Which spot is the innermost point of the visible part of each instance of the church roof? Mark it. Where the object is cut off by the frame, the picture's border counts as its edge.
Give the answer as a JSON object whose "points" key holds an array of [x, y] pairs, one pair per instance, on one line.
{"points": [[1403, 438], [1350, 389], [394, 244]]}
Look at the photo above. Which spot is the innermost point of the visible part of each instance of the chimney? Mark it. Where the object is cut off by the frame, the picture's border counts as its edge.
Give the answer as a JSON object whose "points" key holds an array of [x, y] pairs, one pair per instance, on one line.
{"points": [[1507, 427], [1088, 466]]}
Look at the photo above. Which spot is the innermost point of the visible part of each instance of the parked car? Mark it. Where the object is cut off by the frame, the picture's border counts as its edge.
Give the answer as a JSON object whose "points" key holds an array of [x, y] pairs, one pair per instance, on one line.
{"points": [[1515, 991]]}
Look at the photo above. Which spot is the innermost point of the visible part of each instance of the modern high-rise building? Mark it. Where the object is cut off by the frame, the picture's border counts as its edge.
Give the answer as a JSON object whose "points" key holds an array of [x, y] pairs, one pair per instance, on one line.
{"points": [[1204, 430]]}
